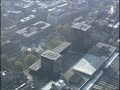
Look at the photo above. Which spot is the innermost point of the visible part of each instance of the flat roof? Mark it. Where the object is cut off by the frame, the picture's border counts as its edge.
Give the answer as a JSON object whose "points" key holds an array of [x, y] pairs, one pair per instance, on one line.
{"points": [[51, 55], [61, 47], [36, 65], [45, 25], [28, 31], [81, 26], [92, 60], [33, 29], [27, 18]]}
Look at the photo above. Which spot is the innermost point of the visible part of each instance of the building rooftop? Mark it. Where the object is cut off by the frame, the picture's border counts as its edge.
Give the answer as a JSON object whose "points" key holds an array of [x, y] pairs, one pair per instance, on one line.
{"points": [[27, 32], [33, 29], [42, 24], [15, 12], [81, 26], [36, 65], [51, 55], [61, 47], [23, 5], [90, 63], [58, 12], [27, 18]]}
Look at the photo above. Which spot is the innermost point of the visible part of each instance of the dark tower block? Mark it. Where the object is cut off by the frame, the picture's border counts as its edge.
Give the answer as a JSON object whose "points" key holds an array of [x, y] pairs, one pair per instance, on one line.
{"points": [[51, 62], [80, 37]]}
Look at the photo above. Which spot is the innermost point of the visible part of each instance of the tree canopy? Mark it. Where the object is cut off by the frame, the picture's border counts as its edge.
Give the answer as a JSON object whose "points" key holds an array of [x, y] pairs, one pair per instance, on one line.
{"points": [[18, 66], [30, 59]]}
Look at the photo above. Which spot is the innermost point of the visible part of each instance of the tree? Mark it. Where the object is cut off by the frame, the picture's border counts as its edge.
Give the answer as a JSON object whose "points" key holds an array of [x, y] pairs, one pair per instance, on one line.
{"points": [[64, 31], [44, 46], [18, 66], [4, 61], [60, 29], [12, 61], [30, 59], [66, 28], [39, 52]]}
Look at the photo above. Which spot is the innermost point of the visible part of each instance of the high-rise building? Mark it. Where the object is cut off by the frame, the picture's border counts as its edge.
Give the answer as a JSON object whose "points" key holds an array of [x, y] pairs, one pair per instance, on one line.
{"points": [[80, 36], [51, 62]]}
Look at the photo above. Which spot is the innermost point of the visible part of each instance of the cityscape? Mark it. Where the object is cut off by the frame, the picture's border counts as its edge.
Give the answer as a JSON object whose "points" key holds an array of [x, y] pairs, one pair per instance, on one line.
{"points": [[60, 44]]}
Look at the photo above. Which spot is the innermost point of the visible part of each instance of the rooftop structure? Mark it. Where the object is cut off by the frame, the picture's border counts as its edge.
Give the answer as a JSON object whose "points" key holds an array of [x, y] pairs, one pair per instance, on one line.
{"points": [[59, 85], [59, 49], [58, 12], [51, 55], [58, 7], [27, 18], [53, 6], [33, 29], [81, 26], [36, 66], [22, 5], [42, 24], [94, 59], [79, 19], [15, 12]]}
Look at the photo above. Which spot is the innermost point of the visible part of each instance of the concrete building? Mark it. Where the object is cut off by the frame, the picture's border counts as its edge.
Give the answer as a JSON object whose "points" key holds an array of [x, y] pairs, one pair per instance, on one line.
{"points": [[26, 21], [62, 48], [15, 15], [58, 85], [80, 36], [51, 62], [94, 61], [34, 33], [59, 16], [35, 68]]}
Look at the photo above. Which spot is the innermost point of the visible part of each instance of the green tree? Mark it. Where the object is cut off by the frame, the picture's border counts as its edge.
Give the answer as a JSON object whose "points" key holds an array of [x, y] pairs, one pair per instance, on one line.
{"points": [[4, 59], [64, 31], [30, 59], [18, 66], [66, 28], [44, 46], [12, 61], [60, 29], [39, 52]]}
